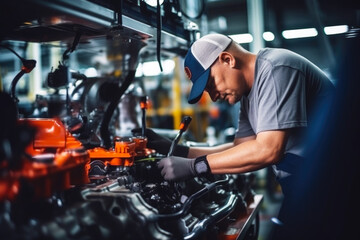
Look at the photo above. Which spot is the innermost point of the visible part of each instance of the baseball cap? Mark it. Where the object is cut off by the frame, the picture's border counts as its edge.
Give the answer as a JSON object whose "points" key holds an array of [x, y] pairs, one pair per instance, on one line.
{"points": [[198, 60]]}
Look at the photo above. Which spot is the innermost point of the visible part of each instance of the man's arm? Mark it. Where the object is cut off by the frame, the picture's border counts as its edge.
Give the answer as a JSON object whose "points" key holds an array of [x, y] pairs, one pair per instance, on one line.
{"points": [[266, 149], [200, 151], [255, 153]]}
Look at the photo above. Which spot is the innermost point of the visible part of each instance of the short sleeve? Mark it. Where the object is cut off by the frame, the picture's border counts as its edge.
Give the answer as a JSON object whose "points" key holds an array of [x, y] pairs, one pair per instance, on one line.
{"points": [[281, 100]]}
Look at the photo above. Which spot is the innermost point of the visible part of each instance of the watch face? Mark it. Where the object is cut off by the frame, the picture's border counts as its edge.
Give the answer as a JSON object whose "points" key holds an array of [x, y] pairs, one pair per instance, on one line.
{"points": [[201, 167]]}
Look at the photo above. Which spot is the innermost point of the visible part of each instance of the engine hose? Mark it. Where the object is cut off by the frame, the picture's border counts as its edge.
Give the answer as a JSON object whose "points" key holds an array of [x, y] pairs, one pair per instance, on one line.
{"points": [[214, 217], [13, 84], [104, 127], [194, 196], [77, 88]]}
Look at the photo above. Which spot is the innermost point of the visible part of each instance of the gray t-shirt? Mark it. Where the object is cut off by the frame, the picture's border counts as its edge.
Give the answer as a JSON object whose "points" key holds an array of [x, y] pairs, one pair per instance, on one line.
{"points": [[284, 93]]}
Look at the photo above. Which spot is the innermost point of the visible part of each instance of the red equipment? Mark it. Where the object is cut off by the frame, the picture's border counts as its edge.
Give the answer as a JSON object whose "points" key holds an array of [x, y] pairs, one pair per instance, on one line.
{"points": [[54, 161]]}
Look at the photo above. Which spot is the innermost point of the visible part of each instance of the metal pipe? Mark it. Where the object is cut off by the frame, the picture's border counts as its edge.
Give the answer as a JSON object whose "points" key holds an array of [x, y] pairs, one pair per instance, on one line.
{"points": [[143, 106], [194, 196], [215, 217]]}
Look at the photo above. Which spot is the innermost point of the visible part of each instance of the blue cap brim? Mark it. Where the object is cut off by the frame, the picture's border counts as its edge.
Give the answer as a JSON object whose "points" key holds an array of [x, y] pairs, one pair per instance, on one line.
{"points": [[198, 87]]}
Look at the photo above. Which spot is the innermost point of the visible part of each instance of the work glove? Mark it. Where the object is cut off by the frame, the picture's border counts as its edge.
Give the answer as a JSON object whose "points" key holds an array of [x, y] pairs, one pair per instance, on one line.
{"points": [[180, 169], [161, 144]]}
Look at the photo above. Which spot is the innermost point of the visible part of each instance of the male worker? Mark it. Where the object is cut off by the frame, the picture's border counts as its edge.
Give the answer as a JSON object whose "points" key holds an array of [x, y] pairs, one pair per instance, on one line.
{"points": [[278, 91]]}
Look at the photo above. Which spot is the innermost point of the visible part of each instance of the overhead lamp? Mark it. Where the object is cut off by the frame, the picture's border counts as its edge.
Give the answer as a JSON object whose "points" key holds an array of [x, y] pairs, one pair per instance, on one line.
{"points": [[300, 33], [268, 36], [151, 68], [153, 3], [331, 30], [91, 72], [242, 38]]}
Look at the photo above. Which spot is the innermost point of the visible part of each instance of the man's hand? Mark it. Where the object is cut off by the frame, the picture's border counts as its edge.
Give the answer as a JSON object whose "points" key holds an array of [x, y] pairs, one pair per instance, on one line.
{"points": [[177, 168], [161, 144], [180, 169]]}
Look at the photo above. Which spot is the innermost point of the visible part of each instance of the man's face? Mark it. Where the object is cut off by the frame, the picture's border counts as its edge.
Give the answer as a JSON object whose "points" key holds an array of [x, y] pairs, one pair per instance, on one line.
{"points": [[224, 84]]}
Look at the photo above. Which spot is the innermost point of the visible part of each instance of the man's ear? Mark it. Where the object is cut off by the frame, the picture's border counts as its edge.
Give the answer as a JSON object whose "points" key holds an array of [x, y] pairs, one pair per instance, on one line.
{"points": [[227, 58]]}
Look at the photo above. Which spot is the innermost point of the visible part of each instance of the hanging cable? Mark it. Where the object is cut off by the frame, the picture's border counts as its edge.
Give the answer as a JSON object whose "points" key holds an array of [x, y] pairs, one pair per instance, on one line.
{"points": [[159, 27], [28, 66]]}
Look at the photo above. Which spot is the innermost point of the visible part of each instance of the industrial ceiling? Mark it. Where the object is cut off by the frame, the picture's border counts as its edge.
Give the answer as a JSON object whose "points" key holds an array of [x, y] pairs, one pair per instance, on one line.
{"points": [[231, 17]]}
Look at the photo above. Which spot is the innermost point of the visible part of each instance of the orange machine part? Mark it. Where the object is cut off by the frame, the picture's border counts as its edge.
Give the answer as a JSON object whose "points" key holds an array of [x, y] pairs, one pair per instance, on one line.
{"points": [[122, 155], [57, 162], [144, 105], [140, 147], [124, 152], [50, 133]]}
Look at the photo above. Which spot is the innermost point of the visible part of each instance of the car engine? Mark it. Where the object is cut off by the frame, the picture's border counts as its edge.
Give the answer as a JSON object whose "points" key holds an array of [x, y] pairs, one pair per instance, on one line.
{"points": [[73, 169], [53, 187]]}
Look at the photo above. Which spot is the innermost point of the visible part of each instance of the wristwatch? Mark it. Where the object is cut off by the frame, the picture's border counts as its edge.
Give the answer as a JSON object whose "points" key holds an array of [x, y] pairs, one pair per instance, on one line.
{"points": [[201, 165]]}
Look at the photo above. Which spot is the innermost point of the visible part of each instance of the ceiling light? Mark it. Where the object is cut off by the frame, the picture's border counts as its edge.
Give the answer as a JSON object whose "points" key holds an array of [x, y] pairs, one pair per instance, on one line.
{"points": [[91, 72], [242, 38], [152, 68], [331, 30], [153, 3], [300, 33], [268, 36]]}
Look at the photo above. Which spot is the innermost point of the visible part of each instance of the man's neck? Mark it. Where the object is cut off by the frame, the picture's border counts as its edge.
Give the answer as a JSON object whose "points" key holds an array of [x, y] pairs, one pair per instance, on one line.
{"points": [[249, 72]]}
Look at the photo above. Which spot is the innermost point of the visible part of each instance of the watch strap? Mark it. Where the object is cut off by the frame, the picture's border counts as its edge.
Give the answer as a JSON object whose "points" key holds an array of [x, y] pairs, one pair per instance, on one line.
{"points": [[201, 166]]}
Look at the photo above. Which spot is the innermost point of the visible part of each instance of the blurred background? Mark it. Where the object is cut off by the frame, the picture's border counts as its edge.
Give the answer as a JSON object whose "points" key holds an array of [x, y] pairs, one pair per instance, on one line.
{"points": [[313, 28], [316, 29]]}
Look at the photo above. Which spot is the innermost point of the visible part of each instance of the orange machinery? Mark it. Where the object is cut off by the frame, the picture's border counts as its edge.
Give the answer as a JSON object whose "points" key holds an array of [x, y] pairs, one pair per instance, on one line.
{"points": [[124, 152], [122, 156], [54, 161]]}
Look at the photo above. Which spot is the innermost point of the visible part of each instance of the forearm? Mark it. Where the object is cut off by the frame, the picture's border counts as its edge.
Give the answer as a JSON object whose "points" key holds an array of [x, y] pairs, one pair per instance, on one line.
{"points": [[246, 157], [200, 151]]}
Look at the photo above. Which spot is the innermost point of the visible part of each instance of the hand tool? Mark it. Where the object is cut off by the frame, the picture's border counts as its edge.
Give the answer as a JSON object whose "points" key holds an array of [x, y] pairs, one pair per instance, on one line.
{"points": [[183, 126]]}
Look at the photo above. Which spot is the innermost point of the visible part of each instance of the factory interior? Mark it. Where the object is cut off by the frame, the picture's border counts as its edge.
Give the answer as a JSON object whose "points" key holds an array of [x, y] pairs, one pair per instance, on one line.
{"points": [[77, 78]]}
